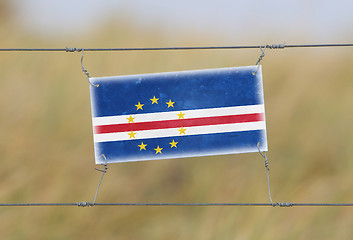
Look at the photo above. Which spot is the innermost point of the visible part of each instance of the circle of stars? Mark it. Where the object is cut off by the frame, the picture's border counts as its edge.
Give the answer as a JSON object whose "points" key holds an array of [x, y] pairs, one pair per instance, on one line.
{"points": [[158, 149]]}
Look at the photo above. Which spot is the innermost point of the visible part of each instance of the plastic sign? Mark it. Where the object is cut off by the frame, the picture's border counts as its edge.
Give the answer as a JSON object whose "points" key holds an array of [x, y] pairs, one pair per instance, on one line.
{"points": [[178, 114]]}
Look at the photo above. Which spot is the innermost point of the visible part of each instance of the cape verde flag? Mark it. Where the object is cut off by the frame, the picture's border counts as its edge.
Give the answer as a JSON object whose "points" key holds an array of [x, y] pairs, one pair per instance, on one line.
{"points": [[178, 114]]}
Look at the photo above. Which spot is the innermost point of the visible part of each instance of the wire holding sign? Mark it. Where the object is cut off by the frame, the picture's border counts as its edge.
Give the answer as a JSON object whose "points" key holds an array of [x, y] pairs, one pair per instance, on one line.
{"points": [[140, 117], [85, 71]]}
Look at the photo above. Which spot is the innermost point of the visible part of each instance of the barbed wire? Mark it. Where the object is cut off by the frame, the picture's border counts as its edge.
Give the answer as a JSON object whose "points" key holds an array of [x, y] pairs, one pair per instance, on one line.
{"points": [[268, 46]]}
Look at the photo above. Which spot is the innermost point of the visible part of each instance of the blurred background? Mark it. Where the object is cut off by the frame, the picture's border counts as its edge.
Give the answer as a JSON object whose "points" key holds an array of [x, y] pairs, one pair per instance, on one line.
{"points": [[46, 144]]}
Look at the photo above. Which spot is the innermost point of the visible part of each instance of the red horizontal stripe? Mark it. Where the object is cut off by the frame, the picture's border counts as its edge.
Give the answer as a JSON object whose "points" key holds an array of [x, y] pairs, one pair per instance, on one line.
{"points": [[191, 122]]}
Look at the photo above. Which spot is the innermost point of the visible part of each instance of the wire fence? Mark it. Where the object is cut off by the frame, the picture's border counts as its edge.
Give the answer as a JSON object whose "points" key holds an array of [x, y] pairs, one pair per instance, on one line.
{"points": [[89, 204]]}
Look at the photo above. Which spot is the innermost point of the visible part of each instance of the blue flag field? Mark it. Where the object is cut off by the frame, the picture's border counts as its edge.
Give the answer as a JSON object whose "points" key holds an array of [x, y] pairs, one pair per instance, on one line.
{"points": [[178, 114]]}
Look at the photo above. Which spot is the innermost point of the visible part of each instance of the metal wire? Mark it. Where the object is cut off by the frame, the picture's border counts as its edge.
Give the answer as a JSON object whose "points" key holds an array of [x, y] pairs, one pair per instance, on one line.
{"points": [[82, 67], [259, 61], [88, 204], [263, 154], [271, 46], [103, 172], [36, 204]]}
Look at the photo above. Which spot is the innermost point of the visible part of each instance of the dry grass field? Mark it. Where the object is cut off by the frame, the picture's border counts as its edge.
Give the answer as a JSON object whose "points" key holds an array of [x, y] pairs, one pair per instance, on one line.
{"points": [[46, 146]]}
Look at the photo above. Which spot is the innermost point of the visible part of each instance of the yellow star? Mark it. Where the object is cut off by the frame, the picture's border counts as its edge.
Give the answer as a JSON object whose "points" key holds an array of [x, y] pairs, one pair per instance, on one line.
{"points": [[158, 150], [142, 146], [173, 144], [139, 106], [170, 103], [182, 130], [181, 115], [131, 134], [154, 100], [131, 119]]}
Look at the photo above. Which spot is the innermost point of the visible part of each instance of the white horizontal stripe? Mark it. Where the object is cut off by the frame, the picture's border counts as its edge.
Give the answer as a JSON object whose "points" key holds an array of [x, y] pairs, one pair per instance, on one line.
{"points": [[163, 116], [174, 132]]}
